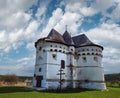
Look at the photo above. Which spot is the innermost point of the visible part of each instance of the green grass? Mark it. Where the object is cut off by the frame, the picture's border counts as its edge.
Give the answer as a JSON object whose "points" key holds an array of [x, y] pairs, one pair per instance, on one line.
{"points": [[23, 92]]}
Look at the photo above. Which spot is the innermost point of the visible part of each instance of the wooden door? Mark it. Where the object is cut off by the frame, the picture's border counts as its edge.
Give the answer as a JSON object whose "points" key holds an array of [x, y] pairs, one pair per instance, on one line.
{"points": [[39, 79]]}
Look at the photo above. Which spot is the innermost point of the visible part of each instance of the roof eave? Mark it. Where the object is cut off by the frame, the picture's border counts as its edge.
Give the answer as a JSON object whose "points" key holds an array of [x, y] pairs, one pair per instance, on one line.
{"points": [[92, 45]]}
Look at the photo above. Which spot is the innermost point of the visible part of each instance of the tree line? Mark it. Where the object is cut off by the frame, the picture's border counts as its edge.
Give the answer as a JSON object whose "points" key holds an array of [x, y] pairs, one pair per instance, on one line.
{"points": [[12, 79]]}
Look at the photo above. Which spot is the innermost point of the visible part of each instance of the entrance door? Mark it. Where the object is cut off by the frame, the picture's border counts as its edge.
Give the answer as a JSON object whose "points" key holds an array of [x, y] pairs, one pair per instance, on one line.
{"points": [[39, 79]]}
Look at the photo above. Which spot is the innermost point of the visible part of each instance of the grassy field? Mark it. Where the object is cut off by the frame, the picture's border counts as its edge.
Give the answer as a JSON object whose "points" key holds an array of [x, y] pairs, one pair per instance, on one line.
{"points": [[23, 92]]}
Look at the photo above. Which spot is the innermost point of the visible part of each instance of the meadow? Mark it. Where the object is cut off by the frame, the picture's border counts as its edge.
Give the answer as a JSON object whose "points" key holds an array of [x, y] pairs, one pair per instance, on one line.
{"points": [[24, 92]]}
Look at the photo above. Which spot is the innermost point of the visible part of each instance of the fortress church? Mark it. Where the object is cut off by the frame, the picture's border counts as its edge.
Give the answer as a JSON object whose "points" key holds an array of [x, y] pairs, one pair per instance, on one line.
{"points": [[68, 62]]}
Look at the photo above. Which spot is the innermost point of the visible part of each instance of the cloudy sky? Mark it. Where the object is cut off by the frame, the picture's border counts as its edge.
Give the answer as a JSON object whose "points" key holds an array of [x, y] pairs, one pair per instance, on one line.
{"points": [[22, 22]]}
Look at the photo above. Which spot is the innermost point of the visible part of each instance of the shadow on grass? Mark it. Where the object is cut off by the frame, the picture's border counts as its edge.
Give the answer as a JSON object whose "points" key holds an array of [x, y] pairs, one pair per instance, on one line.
{"points": [[66, 91], [13, 89], [114, 86]]}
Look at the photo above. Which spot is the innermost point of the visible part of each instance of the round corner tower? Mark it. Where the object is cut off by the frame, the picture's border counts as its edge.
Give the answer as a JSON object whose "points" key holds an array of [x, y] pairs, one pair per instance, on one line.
{"points": [[89, 69]]}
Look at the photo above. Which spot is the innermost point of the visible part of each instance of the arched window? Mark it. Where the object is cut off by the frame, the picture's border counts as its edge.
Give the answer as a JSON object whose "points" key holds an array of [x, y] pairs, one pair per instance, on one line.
{"points": [[88, 53], [63, 51], [55, 50], [83, 53], [60, 50], [96, 53]]}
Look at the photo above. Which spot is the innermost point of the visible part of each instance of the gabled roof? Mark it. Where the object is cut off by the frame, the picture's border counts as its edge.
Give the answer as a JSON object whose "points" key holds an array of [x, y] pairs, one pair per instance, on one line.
{"points": [[68, 39], [55, 36]]}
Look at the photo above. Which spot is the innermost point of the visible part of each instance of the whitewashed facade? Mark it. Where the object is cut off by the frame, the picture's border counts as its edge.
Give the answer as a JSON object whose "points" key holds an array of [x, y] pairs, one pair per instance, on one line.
{"points": [[82, 62]]}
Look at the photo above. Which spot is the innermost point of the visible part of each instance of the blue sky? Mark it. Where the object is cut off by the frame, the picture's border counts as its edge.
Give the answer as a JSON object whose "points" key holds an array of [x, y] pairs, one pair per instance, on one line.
{"points": [[25, 21]]}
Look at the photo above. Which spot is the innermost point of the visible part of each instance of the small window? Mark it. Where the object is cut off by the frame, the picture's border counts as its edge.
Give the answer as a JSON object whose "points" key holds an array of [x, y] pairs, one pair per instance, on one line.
{"points": [[71, 49], [60, 50], [96, 53], [87, 49], [55, 50], [88, 53], [83, 53], [84, 59], [51, 45], [96, 59], [40, 48], [55, 45], [83, 49], [54, 56], [40, 69], [92, 49], [51, 50], [44, 50]]}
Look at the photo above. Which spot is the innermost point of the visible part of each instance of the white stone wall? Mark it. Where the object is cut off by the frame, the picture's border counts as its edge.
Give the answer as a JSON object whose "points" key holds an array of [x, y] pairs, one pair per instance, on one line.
{"points": [[89, 67], [93, 85], [87, 70]]}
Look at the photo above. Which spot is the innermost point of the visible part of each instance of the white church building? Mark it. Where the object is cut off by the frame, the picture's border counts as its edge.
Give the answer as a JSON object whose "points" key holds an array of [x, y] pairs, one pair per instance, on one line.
{"points": [[68, 62]]}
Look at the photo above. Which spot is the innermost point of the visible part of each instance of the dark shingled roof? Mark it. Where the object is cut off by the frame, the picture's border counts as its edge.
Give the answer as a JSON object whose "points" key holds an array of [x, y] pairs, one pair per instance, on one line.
{"points": [[78, 41], [55, 36], [68, 39], [83, 40]]}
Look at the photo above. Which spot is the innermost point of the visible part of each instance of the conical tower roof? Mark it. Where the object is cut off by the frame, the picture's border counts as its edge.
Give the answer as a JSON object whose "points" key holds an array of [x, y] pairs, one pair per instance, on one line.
{"points": [[68, 39], [55, 36]]}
